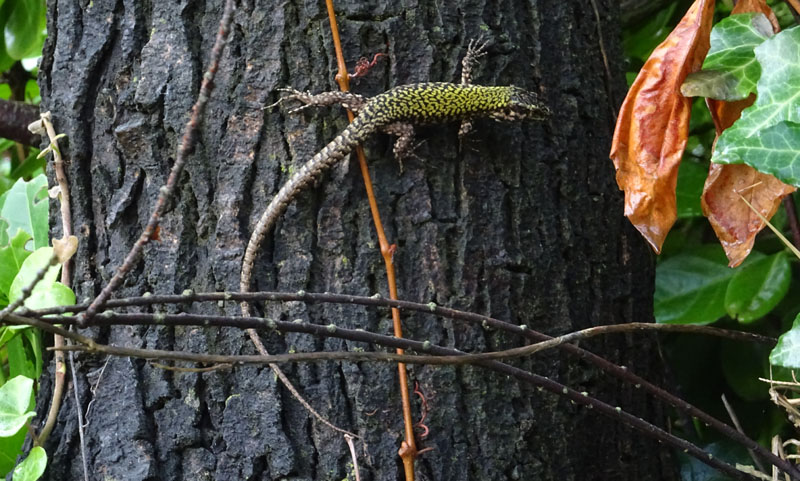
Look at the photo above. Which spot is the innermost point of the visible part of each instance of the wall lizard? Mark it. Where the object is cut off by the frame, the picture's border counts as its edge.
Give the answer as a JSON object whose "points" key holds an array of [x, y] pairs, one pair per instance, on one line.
{"points": [[395, 112]]}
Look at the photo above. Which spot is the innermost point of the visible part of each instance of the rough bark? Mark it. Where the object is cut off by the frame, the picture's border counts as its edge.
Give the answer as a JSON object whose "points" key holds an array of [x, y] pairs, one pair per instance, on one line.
{"points": [[524, 224]]}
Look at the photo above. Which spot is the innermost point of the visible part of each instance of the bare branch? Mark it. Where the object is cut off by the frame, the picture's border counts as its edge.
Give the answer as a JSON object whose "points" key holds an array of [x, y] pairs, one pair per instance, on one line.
{"points": [[14, 120], [620, 372]]}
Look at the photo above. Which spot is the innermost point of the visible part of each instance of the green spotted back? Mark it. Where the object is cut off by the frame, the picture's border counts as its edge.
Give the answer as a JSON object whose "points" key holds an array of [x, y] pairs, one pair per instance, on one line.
{"points": [[440, 102]]}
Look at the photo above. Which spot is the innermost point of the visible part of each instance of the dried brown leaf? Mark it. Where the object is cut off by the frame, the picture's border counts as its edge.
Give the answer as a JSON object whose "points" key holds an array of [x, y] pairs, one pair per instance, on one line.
{"points": [[653, 125], [735, 224], [65, 248], [757, 6]]}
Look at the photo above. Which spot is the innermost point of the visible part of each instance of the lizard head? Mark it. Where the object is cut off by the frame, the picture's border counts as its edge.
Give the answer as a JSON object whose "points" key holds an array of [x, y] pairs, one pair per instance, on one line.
{"points": [[522, 104]]}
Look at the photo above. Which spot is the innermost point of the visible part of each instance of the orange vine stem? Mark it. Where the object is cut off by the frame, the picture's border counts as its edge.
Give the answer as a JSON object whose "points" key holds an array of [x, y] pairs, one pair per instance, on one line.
{"points": [[408, 450]]}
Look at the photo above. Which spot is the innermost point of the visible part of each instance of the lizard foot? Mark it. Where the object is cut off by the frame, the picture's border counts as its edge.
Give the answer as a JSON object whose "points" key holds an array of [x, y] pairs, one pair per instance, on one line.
{"points": [[475, 50]]}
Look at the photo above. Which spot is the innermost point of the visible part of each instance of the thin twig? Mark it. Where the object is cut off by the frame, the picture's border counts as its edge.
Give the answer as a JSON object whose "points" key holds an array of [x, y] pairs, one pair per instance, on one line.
{"points": [[63, 194], [215, 367], [58, 392], [353, 455], [777, 448], [617, 371], [331, 330], [287, 383], [612, 103], [186, 148], [59, 378], [93, 390], [78, 410], [738, 426], [795, 250], [91, 346], [373, 301], [554, 387]]}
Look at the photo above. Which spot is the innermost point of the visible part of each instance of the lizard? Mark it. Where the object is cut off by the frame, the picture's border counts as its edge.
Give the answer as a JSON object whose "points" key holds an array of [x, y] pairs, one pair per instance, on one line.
{"points": [[395, 112]]}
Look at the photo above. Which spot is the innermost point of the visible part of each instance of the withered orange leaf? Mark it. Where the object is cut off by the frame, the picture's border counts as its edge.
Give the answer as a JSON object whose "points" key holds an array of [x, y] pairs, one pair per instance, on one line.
{"points": [[757, 6], [735, 224], [653, 125]]}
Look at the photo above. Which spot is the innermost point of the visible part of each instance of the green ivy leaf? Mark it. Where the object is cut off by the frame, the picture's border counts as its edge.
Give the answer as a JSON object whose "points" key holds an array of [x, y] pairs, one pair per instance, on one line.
{"points": [[758, 287], [5, 60], [786, 352], [31, 166], [32, 93], [730, 70], [15, 401], [10, 448], [11, 259], [692, 469], [8, 332], [33, 338], [690, 287], [56, 294], [25, 207], [774, 150], [4, 238], [24, 351], [768, 133], [6, 144], [27, 273], [23, 30], [48, 292], [693, 287], [20, 362], [32, 467]]}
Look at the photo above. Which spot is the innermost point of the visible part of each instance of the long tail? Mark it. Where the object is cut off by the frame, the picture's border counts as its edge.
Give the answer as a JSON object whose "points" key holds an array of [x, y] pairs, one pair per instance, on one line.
{"points": [[332, 153]]}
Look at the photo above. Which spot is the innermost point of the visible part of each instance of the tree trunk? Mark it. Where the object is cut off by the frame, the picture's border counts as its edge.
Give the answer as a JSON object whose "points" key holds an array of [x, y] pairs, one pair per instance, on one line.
{"points": [[524, 223]]}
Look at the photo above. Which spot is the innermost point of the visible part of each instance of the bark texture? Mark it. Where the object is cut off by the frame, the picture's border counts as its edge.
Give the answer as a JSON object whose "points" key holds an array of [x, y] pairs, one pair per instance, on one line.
{"points": [[523, 223]]}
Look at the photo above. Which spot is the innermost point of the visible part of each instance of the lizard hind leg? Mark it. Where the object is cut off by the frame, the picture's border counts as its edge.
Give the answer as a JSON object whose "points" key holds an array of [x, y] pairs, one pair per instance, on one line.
{"points": [[347, 100], [404, 146]]}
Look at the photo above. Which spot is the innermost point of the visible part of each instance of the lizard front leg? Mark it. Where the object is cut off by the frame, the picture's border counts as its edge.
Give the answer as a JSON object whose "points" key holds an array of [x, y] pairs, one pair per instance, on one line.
{"points": [[347, 100], [475, 50]]}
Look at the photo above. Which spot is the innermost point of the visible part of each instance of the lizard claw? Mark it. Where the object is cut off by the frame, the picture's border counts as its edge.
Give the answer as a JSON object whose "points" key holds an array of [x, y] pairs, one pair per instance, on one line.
{"points": [[275, 104], [477, 47], [299, 109], [475, 50], [293, 94]]}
